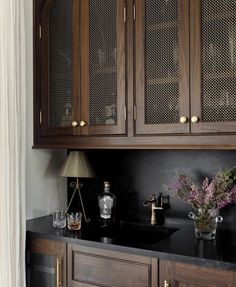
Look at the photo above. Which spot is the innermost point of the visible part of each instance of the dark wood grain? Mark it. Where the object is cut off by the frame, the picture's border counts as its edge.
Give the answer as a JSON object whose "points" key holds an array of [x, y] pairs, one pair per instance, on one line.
{"points": [[96, 267], [186, 275], [51, 248], [120, 127], [130, 133], [196, 76], [183, 30]]}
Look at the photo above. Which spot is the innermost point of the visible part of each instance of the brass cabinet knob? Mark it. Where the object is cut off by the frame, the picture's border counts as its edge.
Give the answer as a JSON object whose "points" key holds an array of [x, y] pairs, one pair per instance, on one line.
{"points": [[74, 124], [166, 284], [82, 123], [194, 119], [183, 120]]}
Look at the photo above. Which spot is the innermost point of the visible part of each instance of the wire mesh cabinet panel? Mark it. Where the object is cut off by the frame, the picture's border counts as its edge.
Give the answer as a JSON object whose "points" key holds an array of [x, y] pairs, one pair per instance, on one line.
{"points": [[56, 38], [213, 70], [102, 67], [162, 66]]}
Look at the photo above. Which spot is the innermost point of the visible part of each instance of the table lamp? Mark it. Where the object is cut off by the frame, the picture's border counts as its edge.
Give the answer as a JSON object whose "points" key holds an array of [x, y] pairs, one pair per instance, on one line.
{"points": [[77, 166]]}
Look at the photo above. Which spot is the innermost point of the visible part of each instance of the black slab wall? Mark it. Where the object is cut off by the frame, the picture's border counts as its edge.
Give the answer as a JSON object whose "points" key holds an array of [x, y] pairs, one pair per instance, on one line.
{"points": [[136, 174]]}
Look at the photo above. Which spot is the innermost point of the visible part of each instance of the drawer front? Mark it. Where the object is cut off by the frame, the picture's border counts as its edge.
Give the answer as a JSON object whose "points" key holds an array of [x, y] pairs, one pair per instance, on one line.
{"points": [[101, 270]]}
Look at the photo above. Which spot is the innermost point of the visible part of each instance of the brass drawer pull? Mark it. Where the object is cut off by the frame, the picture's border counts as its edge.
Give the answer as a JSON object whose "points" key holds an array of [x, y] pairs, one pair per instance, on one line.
{"points": [[82, 123], [194, 119], [74, 124], [58, 273], [183, 120]]}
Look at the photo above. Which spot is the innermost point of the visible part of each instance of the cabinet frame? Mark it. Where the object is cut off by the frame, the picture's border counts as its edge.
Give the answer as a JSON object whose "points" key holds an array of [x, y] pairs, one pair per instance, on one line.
{"points": [[43, 47], [52, 248], [195, 79], [114, 258], [197, 139], [178, 274], [183, 28], [120, 127]]}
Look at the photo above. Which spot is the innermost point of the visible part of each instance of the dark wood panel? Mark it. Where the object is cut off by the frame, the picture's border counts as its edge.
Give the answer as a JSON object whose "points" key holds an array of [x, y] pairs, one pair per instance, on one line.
{"points": [[182, 80], [51, 248], [41, 70], [120, 127], [196, 72], [96, 267], [223, 141], [184, 275]]}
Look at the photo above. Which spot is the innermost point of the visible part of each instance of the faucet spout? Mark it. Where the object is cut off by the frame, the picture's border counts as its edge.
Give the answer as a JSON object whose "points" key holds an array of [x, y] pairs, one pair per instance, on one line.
{"points": [[152, 202]]}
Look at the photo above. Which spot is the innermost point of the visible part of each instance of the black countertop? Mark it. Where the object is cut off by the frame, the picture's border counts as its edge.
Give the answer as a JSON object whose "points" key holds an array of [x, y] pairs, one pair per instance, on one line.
{"points": [[181, 245]]}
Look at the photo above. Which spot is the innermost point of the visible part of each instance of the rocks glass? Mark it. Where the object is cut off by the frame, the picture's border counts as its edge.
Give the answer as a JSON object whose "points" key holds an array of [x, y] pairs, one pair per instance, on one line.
{"points": [[59, 219], [74, 220]]}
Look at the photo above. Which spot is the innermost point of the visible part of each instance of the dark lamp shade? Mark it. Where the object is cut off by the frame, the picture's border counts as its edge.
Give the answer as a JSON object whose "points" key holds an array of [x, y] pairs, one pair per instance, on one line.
{"points": [[76, 165]]}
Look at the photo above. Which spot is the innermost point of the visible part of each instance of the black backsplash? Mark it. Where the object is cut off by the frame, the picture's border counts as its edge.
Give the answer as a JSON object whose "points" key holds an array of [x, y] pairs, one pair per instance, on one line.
{"points": [[136, 174]]}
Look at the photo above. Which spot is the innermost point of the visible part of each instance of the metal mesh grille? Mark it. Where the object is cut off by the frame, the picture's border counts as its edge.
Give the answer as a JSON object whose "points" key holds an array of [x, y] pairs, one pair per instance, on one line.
{"points": [[161, 62], [218, 60], [60, 63], [102, 62]]}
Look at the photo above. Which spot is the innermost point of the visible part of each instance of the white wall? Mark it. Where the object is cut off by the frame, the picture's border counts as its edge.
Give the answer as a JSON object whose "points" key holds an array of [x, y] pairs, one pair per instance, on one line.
{"points": [[45, 191]]}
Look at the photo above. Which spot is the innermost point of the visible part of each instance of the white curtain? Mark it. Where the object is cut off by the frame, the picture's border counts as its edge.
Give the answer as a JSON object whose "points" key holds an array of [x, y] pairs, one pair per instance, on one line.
{"points": [[12, 143]]}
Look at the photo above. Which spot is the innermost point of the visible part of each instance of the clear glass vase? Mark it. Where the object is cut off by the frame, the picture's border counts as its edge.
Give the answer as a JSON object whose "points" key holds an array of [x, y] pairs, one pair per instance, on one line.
{"points": [[205, 222]]}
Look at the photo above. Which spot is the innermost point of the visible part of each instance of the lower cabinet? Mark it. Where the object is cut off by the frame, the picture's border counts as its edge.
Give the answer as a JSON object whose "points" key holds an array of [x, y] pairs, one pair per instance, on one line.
{"points": [[46, 263], [175, 274], [96, 267], [57, 264]]}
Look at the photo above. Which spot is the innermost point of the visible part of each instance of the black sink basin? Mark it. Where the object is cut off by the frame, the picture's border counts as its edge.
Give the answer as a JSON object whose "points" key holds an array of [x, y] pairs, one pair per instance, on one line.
{"points": [[132, 233]]}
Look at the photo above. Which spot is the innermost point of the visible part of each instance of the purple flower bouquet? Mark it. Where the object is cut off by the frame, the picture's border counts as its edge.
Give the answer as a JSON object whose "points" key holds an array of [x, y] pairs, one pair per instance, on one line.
{"points": [[207, 200]]}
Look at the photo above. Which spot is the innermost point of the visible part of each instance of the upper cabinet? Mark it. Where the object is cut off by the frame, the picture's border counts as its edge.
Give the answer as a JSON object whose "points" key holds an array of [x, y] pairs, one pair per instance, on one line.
{"points": [[213, 66], [82, 58], [172, 36], [162, 66], [102, 68], [54, 67], [135, 74]]}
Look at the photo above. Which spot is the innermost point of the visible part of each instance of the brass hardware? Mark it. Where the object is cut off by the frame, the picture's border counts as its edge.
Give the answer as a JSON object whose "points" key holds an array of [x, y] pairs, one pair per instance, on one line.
{"points": [[40, 31], [134, 12], [82, 123], [40, 117], [183, 120], [194, 119], [58, 273], [166, 284], [124, 14], [152, 202], [135, 113], [74, 124]]}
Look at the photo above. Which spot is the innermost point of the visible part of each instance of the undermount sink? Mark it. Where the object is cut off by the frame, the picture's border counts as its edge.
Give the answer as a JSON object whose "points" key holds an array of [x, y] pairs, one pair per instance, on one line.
{"points": [[133, 233]]}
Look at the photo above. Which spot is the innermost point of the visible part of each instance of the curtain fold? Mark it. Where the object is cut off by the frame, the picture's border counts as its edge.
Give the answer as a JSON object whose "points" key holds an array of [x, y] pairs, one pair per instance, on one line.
{"points": [[12, 143]]}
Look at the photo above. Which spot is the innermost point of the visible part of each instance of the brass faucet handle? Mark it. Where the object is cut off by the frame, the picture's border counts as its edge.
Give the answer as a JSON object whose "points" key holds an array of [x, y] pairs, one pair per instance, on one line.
{"points": [[153, 198], [149, 201], [146, 203]]}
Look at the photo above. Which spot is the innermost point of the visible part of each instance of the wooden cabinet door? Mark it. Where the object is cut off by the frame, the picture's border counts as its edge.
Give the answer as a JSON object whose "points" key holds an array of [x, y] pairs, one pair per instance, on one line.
{"points": [[96, 267], [54, 63], [46, 263], [174, 274], [162, 66], [82, 61], [213, 66], [102, 44]]}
